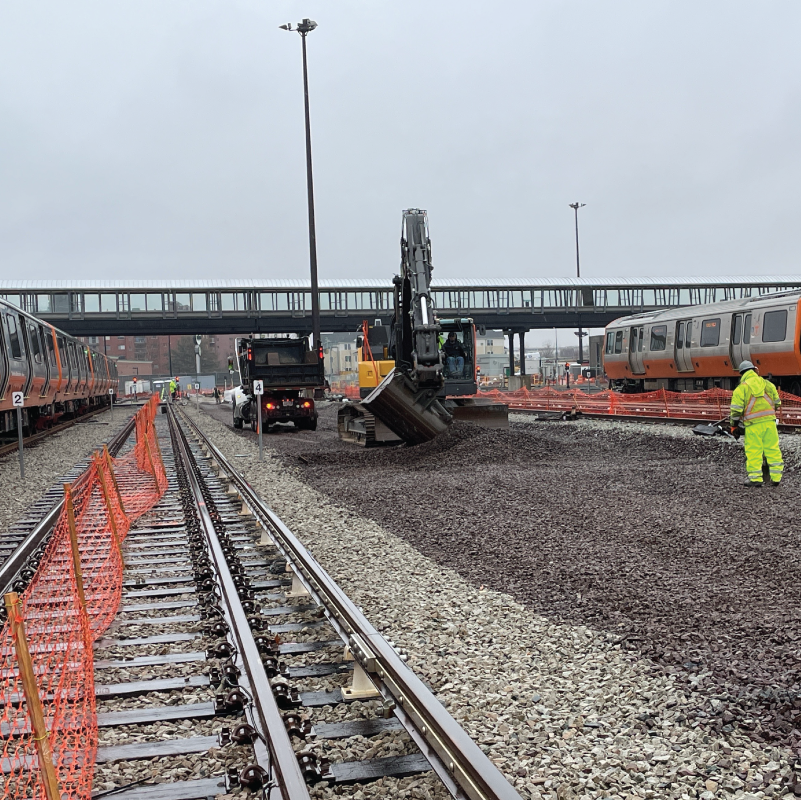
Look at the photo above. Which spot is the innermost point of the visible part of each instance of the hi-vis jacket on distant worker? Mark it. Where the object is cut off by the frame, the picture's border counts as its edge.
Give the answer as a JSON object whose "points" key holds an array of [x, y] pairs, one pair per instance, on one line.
{"points": [[755, 401]]}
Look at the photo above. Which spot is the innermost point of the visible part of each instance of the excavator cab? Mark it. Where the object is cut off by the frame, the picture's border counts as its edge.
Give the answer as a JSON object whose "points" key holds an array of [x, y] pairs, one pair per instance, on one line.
{"points": [[458, 348]]}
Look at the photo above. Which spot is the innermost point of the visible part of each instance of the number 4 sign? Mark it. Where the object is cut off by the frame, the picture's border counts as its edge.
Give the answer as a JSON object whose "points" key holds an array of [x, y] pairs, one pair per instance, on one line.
{"points": [[258, 387]]}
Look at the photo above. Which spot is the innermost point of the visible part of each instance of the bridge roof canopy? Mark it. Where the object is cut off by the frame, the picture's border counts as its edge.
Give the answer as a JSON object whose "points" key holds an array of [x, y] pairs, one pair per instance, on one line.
{"points": [[354, 284]]}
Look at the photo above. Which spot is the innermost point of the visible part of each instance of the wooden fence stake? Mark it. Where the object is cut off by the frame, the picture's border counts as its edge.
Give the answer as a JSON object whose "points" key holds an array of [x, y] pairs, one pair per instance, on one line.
{"points": [[32, 700], [76, 554], [110, 465], [111, 519]]}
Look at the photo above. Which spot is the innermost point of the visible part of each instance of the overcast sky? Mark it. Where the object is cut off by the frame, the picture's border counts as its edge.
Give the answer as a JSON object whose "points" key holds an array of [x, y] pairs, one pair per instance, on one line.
{"points": [[164, 138]]}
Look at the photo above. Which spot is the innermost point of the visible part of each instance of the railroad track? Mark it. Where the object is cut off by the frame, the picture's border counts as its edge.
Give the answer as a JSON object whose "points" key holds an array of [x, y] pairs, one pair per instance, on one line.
{"points": [[237, 664], [11, 446], [27, 538]]}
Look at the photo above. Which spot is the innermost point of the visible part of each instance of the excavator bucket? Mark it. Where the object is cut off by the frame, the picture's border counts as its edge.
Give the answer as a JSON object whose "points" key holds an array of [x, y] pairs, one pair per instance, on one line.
{"points": [[480, 412], [414, 416]]}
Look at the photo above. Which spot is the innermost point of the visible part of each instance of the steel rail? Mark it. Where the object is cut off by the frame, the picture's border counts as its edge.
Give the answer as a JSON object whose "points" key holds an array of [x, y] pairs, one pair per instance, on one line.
{"points": [[11, 447], [279, 754], [462, 766], [16, 561]]}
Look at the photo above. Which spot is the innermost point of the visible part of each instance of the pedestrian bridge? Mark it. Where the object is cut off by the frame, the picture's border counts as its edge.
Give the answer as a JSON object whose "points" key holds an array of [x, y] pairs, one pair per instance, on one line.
{"points": [[151, 307]]}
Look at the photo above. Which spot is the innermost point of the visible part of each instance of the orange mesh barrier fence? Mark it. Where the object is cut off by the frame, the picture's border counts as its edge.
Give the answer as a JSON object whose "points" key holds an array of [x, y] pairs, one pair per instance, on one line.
{"points": [[48, 719], [712, 404]]}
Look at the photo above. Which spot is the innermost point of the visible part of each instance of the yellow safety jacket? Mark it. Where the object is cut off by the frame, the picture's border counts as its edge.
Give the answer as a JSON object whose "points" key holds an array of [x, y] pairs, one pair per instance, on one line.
{"points": [[754, 400]]}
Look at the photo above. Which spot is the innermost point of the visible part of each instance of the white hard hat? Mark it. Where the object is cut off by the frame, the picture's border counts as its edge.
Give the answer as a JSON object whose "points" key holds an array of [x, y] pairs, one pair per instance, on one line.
{"points": [[745, 366]]}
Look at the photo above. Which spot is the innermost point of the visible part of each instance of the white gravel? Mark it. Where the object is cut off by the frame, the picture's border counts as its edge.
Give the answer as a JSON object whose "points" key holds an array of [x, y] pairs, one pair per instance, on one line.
{"points": [[558, 708], [49, 460]]}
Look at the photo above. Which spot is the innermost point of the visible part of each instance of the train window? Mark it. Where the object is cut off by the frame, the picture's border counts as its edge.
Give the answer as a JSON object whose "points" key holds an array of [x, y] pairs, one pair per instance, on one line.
{"points": [[659, 337], [737, 331], [36, 348], [13, 336], [710, 332], [62, 349], [679, 335], [774, 326], [610, 342], [747, 329], [619, 342], [51, 350], [689, 339]]}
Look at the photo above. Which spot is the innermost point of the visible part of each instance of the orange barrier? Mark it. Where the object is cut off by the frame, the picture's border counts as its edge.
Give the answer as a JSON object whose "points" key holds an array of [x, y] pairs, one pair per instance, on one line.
{"points": [[712, 404], [46, 645]]}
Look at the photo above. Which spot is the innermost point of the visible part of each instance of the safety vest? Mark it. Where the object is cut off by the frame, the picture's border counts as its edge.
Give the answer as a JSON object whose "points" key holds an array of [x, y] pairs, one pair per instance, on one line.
{"points": [[754, 400]]}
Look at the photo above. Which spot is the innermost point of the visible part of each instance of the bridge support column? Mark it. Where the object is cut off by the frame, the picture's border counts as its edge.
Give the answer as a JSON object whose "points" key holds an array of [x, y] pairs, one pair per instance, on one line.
{"points": [[511, 335], [522, 335]]}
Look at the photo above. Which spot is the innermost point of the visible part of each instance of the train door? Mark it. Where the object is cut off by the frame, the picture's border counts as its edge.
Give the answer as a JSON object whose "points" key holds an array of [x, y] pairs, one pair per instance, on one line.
{"points": [[68, 371], [55, 372], [39, 379], [740, 339], [636, 344], [18, 370], [4, 363], [684, 337], [80, 369]]}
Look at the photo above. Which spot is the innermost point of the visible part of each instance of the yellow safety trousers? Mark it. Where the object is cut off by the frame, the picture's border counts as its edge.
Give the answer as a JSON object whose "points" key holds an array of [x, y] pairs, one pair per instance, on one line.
{"points": [[762, 438]]}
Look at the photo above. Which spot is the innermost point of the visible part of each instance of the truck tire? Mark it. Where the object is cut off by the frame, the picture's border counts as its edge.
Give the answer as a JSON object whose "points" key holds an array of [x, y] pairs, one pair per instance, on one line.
{"points": [[238, 423]]}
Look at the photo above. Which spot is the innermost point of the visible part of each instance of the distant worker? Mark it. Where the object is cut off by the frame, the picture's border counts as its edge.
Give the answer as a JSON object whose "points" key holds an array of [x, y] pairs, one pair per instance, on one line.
{"points": [[216, 395], [173, 389], [455, 356], [755, 401]]}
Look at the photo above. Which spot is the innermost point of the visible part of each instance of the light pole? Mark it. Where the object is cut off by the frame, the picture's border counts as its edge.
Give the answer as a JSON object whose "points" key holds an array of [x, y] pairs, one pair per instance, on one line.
{"points": [[304, 28], [580, 334]]}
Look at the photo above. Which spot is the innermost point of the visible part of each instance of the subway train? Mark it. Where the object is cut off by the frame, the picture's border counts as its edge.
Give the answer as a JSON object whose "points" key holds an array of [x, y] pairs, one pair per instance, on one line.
{"points": [[60, 376], [692, 348]]}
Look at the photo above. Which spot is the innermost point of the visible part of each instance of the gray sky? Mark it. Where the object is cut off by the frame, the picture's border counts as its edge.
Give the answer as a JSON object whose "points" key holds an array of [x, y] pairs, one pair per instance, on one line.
{"points": [[164, 138]]}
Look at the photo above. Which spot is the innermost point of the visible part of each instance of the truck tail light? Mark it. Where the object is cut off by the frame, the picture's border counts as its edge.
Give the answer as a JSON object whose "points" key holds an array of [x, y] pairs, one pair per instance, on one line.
{"points": [[269, 406], [307, 404]]}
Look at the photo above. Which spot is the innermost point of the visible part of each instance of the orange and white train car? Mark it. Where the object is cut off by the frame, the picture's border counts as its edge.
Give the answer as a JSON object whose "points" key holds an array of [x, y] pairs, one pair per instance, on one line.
{"points": [[58, 375], [692, 348]]}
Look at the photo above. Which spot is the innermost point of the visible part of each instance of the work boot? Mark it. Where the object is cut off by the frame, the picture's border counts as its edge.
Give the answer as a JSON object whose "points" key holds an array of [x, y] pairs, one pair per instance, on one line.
{"points": [[753, 484], [774, 484]]}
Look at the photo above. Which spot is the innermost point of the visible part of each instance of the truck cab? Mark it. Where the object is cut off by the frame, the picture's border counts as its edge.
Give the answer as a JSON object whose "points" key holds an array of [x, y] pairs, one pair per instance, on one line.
{"points": [[290, 372]]}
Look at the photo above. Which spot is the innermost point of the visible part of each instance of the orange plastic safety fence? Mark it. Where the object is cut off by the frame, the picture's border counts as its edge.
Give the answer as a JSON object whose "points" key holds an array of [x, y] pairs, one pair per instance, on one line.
{"points": [[99, 508], [712, 404]]}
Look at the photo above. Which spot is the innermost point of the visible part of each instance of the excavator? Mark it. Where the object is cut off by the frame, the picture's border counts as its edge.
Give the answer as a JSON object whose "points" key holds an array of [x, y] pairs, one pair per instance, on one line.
{"points": [[412, 392]]}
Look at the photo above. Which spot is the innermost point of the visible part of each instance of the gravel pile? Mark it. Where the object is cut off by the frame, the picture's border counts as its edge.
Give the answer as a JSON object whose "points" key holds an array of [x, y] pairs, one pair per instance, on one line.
{"points": [[49, 460], [603, 608]]}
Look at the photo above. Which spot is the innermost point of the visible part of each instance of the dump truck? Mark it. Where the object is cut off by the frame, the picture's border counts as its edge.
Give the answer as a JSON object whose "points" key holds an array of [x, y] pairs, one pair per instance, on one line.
{"points": [[290, 372]]}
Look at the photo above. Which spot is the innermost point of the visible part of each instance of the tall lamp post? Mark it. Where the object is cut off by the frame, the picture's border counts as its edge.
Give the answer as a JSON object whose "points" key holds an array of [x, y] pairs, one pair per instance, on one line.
{"points": [[304, 28], [580, 333]]}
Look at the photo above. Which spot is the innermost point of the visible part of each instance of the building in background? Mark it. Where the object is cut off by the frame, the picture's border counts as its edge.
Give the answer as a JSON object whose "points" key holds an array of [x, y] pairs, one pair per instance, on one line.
{"points": [[492, 354], [340, 357]]}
